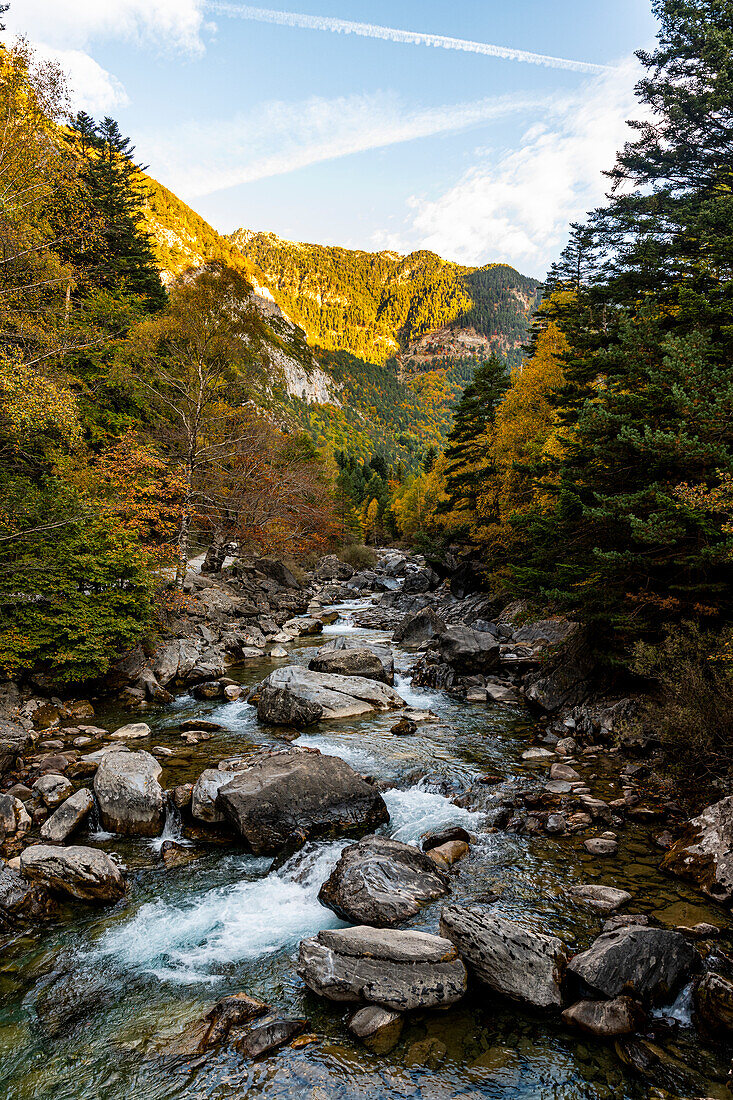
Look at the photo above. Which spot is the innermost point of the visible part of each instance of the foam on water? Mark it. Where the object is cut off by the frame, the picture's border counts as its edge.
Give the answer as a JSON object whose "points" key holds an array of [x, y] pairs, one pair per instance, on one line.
{"points": [[416, 811], [420, 698], [359, 759], [198, 939]]}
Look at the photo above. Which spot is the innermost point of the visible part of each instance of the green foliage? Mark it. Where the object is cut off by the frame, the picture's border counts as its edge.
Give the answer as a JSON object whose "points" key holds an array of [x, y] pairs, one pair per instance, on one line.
{"points": [[691, 710], [359, 557], [375, 304]]}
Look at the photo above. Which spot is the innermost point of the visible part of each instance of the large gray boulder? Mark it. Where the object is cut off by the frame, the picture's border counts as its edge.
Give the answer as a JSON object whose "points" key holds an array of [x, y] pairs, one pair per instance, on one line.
{"points": [[129, 795], [295, 696], [14, 741], [704, 854], [87, 874], [510, 957], [647, 963], [401, 970], [295, 795], [418, 627], [19, 900], [204, 795], [381, 882], [69, 816], [347, 658], [606, 1019], [468, 650]]}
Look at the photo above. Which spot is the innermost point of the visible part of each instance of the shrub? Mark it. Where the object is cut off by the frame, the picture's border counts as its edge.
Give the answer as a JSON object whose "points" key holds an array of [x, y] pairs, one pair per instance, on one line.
{"points": [[359, 557], [692, 709]]}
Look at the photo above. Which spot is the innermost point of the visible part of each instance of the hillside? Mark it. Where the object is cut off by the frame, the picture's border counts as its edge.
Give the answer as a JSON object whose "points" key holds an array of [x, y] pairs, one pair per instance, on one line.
{"points": [[380, 305], [374, 348]]}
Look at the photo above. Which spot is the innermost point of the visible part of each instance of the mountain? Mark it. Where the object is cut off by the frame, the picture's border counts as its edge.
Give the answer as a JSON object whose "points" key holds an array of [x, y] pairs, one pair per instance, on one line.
{"points": [[380, 305], [374, 348]]}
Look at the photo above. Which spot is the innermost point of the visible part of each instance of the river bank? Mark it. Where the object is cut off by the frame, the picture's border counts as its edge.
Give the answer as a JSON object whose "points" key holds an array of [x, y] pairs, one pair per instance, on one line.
{"points": [[214, 920]]}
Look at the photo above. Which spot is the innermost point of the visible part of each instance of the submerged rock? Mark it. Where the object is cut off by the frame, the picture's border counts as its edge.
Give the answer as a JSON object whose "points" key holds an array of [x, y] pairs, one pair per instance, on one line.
{"points": [[401, 970], [87, 874], [377, 1027], [605, 899], [509, 957], [261, 1040], [299, 794], [381, 882], [606, 1019], [129, 795], [648, 963], [704, 855], [230, 1013]]}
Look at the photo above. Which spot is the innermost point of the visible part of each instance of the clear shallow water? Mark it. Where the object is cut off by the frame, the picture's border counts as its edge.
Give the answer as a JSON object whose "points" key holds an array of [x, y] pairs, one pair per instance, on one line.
{"points": [[85, 1009]]}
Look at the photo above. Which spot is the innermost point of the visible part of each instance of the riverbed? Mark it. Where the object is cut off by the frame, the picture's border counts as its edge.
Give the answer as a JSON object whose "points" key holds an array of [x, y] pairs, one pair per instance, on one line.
{"points": [[87, 1004]]}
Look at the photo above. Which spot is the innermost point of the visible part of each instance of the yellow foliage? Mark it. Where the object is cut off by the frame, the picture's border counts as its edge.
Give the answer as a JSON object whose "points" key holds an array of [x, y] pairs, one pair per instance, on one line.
{"points": [[33, 404]]}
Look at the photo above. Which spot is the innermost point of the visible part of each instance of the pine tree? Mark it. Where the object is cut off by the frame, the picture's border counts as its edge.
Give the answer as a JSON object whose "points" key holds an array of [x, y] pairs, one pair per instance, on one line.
{"points": [[125, 262], [647, 403], [465, 454]]}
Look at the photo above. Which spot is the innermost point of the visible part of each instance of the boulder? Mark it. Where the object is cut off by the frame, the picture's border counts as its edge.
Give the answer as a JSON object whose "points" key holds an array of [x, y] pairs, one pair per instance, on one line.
{"points": [[450, 852], [53, 789], [19, 900], [295, 696], [88, 874], [303, 627], [468, 650], [704, 854], [14, 741], [348, 658], [377, 1027], [647, 963], [444, 836], [14, 818], [381, 882], [350, 662], [277, 571], [419, 627], [567, 679], [405, 727], [606, 1019], [510, 957], [68, 817], [714, 1002], [205, 791], [129, 795], [400, 970], [299, 794]]}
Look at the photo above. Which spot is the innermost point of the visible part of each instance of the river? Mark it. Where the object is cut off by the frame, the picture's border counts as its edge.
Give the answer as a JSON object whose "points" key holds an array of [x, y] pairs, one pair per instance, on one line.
{"points": [[86, 1007]]}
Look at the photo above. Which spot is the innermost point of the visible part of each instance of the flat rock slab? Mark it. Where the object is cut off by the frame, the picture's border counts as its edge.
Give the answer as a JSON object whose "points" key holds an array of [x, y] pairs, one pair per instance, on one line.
{"points": [[295, 696], [77, 872], [298, 794], [400, 970], [509, 957], [648, 963], [381, 882]]}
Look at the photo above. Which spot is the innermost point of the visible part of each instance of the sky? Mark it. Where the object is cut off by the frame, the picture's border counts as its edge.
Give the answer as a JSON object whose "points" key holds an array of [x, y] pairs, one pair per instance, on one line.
{"points": [[476, 128]]}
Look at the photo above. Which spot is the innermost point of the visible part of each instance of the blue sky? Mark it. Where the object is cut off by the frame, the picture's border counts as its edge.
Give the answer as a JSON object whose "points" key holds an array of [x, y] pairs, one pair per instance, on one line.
{"points": [[361, 136]]}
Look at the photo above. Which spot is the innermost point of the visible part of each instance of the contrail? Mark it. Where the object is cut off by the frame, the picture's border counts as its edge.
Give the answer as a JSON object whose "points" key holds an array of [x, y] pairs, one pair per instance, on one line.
{"points": [[393, 34]]}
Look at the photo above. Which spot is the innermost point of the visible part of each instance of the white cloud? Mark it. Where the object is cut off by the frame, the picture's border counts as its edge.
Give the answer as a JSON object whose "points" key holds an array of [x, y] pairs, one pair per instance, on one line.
{"points": [[74, 24], [198, 159], [395, 34], [518, 206], [65, 30], [90, 86]]}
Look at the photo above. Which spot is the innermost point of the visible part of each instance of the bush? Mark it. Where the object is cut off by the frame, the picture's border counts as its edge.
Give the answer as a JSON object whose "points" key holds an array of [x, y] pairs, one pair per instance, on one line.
{"points": [[359, 557], [692, 711]]}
